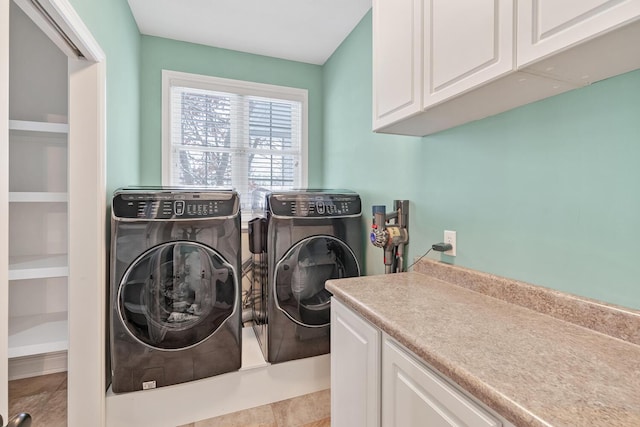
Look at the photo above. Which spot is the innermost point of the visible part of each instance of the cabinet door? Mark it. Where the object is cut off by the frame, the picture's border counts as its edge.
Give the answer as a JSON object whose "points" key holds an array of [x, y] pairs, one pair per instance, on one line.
{"points": [[355, 369], [466, 44], [549, 26], [413, 395], [397, 60]]}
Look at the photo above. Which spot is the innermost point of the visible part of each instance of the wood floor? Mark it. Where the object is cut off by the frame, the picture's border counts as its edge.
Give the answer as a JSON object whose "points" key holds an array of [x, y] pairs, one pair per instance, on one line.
{"points": [[45, 398]]}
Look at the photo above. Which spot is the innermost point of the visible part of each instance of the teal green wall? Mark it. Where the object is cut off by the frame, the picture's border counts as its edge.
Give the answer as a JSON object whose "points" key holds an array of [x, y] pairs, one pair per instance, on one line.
{"points": [[112, 25], [546, 193], [159, 54]]}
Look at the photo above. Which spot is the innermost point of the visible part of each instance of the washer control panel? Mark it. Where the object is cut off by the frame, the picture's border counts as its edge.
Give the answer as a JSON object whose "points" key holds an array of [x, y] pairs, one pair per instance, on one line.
{"points": [[314, 205], [175, 204]]}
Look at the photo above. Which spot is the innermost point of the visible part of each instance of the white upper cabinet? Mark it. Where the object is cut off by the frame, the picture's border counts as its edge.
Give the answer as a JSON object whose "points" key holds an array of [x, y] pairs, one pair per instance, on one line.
{"points": [[466, 44], [442, 63], [546, 27], [580, 42], [397, 63]]}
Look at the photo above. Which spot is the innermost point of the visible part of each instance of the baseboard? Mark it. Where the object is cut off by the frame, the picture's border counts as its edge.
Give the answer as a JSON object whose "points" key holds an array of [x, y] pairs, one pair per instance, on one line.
{"points": [[40, 364]]}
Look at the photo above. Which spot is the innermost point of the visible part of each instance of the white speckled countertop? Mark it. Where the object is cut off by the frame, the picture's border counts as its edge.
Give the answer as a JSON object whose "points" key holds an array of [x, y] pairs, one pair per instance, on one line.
{"points": [[536, 365]]}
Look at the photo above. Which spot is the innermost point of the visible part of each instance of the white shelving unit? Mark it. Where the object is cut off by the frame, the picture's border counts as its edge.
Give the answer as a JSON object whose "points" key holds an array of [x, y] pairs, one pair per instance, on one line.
{"points": [[31, 126], [38, 200], [36, 196], [36, 333], [38, 267]]}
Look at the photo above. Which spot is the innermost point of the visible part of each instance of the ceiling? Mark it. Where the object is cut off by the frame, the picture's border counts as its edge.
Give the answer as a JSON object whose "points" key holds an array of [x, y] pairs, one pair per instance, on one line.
{"points": [[299, 30]]}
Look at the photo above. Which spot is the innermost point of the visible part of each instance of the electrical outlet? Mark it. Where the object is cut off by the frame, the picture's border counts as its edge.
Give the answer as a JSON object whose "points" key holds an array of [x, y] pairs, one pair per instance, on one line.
{"points": [[450, 237]]}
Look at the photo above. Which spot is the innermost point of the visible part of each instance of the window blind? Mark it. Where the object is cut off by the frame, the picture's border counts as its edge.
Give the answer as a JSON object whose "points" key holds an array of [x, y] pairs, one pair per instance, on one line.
{"points": [[234, 140]]}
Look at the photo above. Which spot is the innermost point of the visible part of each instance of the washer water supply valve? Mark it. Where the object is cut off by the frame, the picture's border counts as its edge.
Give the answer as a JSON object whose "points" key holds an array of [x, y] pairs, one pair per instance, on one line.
{"points": [[391, 233]]}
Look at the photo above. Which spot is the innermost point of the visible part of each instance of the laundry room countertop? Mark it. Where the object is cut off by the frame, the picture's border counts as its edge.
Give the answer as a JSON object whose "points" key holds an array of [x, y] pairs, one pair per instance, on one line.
{"points": [[536, 356]]}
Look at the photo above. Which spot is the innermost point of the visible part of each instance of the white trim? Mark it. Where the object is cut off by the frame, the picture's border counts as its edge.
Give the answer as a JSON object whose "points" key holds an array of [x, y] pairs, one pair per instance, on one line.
{"points": [[69, 22], [304, 181], [87, 208], [199, 81], [40, 364], [87, 243], [211, 83], [165, 137], [4, 203]]}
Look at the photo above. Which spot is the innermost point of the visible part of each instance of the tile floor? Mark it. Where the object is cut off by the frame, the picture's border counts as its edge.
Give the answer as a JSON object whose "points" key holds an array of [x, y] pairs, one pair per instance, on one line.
{"points": [[311, 410], [45, 398]]}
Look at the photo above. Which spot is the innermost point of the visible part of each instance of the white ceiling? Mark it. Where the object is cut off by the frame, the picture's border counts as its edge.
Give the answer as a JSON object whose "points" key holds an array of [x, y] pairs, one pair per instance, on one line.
{"points": [[299, 30]]}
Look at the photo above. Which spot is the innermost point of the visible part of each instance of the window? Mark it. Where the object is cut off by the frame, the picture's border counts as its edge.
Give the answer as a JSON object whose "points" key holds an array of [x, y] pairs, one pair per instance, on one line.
{"points": [[232, 134]]}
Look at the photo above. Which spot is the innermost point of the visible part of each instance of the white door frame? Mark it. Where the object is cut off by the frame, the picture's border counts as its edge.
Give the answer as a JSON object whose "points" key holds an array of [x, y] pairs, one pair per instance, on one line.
{"points": [[86, 209], [87, 245], [4, 205]]}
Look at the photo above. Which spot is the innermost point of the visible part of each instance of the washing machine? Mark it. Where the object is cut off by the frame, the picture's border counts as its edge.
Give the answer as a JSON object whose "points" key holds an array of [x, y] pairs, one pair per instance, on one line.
{"points": [[175, 286], [304, 238]]}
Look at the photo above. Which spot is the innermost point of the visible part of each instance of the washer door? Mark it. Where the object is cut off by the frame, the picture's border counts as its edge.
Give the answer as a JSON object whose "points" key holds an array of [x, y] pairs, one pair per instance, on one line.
{"points": [[176, 295], [300, 275]]}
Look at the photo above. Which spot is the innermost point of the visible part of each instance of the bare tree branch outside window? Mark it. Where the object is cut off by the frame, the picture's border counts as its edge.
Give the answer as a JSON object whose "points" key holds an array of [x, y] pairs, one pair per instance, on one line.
{"points": [[227, 140]]}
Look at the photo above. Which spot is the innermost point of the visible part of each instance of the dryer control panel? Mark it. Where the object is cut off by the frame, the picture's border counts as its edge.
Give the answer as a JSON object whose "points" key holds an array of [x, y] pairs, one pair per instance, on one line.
{"points": [[314, 205], [175, 205]]}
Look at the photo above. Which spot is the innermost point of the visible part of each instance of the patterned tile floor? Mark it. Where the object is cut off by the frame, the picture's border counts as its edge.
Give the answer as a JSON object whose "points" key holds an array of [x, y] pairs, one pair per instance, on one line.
{"points": [[45, 398]]}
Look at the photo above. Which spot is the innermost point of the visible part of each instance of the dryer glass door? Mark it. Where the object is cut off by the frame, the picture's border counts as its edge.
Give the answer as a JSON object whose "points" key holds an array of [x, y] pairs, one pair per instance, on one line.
{"points": [[176, 295], [301, 273]]}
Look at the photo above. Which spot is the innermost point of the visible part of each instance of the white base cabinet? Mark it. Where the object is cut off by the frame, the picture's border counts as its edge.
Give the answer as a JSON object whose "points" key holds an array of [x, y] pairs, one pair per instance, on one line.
{"points": [[375, 381], [414, 395], [355, 369]]}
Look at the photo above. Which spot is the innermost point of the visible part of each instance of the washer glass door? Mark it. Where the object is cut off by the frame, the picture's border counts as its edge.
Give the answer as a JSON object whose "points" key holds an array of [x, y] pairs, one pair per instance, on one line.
{"points": [[176, 295], [300, 275]]}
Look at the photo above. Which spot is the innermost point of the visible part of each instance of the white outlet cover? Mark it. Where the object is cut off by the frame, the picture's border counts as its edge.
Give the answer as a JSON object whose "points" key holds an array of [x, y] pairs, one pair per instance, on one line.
{"points": [[450, 237]]}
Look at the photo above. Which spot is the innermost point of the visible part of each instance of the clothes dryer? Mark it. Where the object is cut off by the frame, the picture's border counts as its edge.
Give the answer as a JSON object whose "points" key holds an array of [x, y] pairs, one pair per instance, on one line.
{"points": [[175, 297], [309, 236]]}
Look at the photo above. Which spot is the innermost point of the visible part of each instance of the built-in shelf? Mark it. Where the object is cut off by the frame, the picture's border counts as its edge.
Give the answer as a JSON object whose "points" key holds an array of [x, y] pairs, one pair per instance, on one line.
{"points": [[28, 126], [38, 334], [38, 197], [38, 266]]}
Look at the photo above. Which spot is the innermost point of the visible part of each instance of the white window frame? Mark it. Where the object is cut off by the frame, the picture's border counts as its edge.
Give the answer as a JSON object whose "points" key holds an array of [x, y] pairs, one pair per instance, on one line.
{"points": [[240, 87]]}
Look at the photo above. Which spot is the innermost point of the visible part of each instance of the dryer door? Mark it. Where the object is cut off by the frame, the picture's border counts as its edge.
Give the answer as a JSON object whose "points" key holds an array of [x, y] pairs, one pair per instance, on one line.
{"points": [[300, 275], [176, 295]]}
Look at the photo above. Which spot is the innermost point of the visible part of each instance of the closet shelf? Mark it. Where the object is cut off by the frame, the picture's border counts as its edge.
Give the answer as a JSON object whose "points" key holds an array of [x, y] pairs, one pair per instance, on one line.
{"points": [[38, 197], [28, 126], [38, 266], [38, 334]]}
